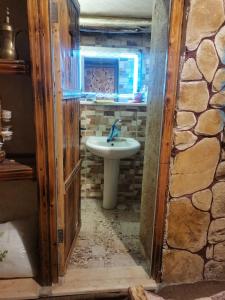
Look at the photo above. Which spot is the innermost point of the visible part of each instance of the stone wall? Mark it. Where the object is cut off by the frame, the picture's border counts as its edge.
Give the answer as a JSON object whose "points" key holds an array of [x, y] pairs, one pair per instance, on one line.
{"points": [[97, 119], [194, 246]]}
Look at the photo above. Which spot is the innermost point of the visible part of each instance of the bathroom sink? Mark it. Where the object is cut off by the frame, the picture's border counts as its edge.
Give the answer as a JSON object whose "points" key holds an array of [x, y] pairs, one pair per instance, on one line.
{"points": [[112, 152], [117, 149]]}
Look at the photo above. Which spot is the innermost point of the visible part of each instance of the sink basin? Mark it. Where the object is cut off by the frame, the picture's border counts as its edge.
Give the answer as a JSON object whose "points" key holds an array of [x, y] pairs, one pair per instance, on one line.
{"points": [[112, 152], [118, 149]]}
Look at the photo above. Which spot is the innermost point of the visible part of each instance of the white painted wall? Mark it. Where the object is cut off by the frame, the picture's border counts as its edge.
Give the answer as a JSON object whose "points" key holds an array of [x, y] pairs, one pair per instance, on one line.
{"points": [[117, 8]]}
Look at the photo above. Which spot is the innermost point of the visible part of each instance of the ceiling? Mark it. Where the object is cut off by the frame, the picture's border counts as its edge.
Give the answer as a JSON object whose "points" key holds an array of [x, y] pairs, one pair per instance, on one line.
{"points": [[117, 8]]}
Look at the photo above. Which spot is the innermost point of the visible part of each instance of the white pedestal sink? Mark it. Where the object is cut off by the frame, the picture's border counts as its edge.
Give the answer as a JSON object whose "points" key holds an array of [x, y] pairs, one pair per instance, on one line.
{"points": [[112, 152]]}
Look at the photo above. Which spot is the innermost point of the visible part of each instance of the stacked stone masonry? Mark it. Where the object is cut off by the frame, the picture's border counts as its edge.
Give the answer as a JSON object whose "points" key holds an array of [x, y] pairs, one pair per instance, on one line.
{"points": [[195, 229]]}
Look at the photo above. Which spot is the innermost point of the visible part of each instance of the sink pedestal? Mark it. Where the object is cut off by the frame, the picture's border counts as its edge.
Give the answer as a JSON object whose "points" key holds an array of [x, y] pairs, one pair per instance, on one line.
{"points": [[111, 176], [112, 153]]}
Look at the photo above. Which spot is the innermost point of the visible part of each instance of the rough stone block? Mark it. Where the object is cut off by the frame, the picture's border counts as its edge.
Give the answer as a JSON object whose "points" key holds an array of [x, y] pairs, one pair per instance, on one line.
{"points": [[190, 70], [194, 96], [214, 270], [185, 120], [194, 168], [187, 226], [220, 172], [202, 200], [219, 81], [217, 231], [210, 122], [182, 267], [220, 44], [217, 101], [209, 252], [207, 59], [184, 139], [219, 252], [218, 204], [205, 18]]}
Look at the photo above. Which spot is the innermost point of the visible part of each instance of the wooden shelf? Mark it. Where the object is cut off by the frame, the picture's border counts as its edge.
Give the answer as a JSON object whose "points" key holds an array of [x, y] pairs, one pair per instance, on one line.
{"points": [[13, 170], [11, 67]]}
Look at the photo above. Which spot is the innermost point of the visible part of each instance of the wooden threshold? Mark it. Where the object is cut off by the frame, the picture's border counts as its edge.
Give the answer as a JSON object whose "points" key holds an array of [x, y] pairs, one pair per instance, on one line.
{"points": [[80, 283], [102, 280]]}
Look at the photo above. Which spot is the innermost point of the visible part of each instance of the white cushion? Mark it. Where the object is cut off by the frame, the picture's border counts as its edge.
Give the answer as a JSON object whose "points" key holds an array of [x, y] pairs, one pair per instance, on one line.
{"points": [[19, 238]]}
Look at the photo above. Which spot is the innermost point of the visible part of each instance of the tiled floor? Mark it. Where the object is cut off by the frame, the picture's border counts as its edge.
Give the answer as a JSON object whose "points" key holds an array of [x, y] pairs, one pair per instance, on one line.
{"points": [[108, 238]]}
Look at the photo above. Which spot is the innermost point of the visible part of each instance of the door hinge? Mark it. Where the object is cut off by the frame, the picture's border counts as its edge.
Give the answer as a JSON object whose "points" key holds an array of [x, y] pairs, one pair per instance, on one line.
{"points": [[60, 236]]}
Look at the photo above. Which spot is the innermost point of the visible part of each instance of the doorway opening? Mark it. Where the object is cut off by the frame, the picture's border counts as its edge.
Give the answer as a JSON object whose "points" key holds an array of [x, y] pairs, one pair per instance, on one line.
{"points": [[115, 68], [119, 241], [78, 278]]}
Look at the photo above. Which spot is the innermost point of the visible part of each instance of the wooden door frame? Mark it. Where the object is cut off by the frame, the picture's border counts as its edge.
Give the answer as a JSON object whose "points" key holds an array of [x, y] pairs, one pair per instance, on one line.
{"points": [[170, 99], [41, 63], [40, 47]]}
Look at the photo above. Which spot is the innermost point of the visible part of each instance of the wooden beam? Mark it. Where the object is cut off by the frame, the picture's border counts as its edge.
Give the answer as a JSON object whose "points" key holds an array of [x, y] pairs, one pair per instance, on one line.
{"points": [[175, 36], [115, 25]]}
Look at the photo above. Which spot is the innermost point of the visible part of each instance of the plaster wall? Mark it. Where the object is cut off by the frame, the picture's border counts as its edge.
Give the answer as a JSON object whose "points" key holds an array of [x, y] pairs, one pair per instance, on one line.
{"points": [[194, 247]]}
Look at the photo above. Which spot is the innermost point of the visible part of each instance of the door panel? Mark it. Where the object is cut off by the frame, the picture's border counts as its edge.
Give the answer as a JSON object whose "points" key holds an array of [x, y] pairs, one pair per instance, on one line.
{"points": [[65, 54], [71, 156], [71, 159], [72, 224]]}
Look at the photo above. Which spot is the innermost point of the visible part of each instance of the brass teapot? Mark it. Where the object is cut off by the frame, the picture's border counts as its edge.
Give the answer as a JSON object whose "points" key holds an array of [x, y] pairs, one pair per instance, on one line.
{"points": [[7, 39]]}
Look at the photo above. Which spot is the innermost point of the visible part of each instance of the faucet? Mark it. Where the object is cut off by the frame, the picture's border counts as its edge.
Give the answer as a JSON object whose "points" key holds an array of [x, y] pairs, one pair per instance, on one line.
{"points": [[114, 131]]}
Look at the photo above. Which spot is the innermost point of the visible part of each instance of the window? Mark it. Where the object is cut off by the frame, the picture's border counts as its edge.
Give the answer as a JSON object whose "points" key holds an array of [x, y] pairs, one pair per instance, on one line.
{"points": [[111, 72]]}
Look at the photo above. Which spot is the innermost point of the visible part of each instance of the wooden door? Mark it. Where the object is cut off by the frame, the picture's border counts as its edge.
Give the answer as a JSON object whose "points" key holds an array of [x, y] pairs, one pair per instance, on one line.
{"points": [[65, 71], [54, 45]]}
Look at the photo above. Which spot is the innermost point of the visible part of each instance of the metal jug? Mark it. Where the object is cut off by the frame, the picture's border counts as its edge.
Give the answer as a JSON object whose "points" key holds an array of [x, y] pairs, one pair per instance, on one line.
{"points": [[7, 39]]}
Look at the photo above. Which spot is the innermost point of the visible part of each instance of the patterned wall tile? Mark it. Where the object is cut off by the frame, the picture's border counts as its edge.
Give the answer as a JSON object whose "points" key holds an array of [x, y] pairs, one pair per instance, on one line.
{"points": [[131, 169]]}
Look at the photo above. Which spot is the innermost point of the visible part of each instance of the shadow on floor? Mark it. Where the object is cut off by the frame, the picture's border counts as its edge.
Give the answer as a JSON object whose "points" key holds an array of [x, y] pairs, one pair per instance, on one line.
{"points": [[193, 291]]}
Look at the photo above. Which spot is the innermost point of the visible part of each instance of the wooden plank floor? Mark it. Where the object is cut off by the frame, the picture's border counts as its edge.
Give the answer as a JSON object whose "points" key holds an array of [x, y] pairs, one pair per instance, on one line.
{"points": [[102, 280]]}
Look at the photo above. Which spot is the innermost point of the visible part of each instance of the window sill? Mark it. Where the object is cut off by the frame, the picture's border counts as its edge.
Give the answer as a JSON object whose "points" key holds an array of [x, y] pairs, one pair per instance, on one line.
{"points": [[144, 104]]}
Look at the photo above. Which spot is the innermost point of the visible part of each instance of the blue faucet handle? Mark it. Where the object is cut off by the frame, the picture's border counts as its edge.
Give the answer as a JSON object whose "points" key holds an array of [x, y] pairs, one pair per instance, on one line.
{"points": [[117, 121]]}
